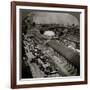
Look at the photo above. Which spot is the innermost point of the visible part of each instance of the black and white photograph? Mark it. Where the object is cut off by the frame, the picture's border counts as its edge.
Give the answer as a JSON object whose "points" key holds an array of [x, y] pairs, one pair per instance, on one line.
{"points": [[50, 44]]}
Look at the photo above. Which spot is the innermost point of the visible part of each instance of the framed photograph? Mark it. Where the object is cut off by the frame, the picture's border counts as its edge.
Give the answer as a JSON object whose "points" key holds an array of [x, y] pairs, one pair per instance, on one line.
{"points": [[48, 44]]}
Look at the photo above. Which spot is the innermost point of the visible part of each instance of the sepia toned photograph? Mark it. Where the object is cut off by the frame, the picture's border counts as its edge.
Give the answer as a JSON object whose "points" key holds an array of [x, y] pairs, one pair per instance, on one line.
{"points": [[48, 44]]}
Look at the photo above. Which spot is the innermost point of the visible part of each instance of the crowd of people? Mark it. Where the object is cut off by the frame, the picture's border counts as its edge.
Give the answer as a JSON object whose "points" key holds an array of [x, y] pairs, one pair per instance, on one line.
{"points": [[32, 51], [35, 55]]}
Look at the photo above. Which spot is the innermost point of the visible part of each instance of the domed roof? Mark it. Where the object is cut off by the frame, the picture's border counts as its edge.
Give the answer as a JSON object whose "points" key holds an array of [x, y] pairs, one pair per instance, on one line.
{"points": [[55, 18]]}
